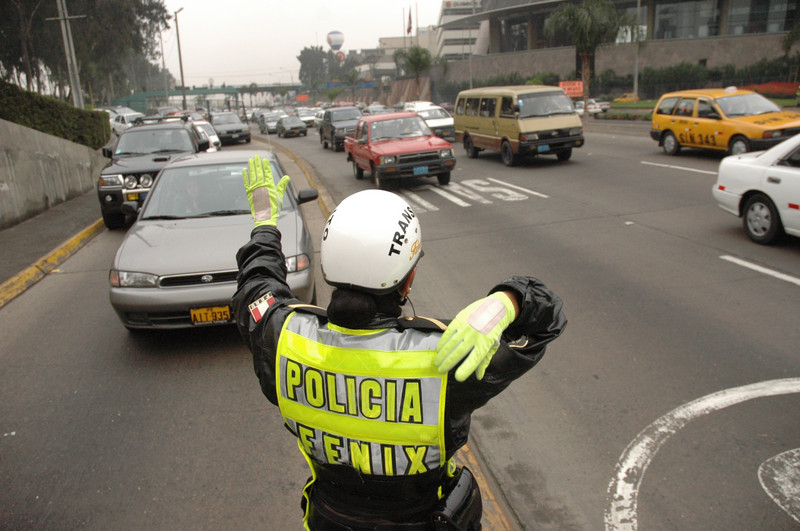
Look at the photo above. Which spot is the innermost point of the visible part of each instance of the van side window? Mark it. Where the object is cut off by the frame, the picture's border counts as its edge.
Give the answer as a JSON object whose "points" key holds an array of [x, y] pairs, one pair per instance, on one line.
{"points": [[507, 107], [487, 107], [460, 106], [472, 106], [667, 106]]}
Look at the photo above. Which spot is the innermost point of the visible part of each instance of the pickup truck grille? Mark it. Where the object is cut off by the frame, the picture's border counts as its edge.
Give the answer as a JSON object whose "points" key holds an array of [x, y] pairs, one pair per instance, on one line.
{"points": [[418, 157]]}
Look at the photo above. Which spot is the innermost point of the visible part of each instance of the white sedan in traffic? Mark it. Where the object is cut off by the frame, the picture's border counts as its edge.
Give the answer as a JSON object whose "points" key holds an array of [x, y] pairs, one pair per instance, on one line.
{"points": [[763, 188]]}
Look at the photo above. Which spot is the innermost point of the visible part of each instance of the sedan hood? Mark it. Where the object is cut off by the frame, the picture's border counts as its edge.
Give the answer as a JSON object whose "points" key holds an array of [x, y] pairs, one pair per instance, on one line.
{"points": [[198, 245]]}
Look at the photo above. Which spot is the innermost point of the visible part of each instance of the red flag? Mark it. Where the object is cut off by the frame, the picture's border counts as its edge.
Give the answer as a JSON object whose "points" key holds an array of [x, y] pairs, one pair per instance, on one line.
{"points": [[408, 30]]}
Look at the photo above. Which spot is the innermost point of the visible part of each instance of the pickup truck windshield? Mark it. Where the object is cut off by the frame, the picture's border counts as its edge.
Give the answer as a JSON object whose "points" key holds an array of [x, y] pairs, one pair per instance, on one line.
{"points": [[399, 128], [345, 114], [544, 104]]}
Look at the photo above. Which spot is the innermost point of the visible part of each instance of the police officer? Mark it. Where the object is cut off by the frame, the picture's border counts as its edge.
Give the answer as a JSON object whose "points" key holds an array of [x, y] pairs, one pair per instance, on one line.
{"points": [[379, 403]]}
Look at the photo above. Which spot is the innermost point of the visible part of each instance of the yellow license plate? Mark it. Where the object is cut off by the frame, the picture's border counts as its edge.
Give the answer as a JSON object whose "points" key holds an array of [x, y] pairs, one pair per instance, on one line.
{"points": [[133, 197], [211, 315]]}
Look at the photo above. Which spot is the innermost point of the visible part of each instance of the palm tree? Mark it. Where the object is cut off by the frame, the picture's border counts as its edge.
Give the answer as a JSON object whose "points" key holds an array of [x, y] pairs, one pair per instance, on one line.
{"points": [[591, 24], [415, 61]]}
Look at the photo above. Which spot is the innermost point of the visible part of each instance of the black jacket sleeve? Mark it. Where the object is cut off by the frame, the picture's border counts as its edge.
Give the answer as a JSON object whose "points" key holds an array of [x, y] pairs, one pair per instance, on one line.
{"points": [[540, 321], [262, 270]]}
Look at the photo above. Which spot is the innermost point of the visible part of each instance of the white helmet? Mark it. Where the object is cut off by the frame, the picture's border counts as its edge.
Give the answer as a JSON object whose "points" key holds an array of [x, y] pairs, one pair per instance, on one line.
{"points": [[371, 242]]}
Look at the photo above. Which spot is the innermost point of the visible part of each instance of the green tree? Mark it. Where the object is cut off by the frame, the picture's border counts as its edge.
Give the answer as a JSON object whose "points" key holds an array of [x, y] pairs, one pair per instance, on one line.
{"points": [[313, 69], [415, 61], [590, 25]]}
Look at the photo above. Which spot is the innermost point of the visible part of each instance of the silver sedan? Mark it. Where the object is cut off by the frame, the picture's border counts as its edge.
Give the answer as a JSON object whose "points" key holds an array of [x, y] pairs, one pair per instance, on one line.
{"points": [[177, 267]]}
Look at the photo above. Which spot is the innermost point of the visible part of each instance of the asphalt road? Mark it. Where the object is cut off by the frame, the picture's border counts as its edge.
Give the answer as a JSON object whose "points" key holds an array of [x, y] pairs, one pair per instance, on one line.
{"points": [[652, 408]]}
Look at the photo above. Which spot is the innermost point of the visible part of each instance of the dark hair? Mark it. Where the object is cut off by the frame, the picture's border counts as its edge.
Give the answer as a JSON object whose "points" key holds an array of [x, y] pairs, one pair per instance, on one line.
{"points": [[354, 309]]}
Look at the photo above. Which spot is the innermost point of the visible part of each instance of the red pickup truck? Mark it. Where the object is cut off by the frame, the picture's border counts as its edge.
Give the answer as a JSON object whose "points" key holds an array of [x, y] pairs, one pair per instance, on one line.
{"points": [[398, 145]]}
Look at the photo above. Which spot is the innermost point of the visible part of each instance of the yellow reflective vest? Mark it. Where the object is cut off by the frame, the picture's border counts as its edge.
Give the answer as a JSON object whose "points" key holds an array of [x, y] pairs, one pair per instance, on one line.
{"points": [[367, 399]]}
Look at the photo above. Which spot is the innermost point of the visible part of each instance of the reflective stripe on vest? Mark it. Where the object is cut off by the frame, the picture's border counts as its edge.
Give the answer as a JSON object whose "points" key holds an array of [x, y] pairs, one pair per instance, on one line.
{"points": [[369, 399]]}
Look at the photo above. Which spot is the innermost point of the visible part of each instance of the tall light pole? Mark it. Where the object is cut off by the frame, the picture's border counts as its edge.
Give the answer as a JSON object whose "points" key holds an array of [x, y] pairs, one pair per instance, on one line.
{"points": [[180, 57], [636, 57], [69, 51]]}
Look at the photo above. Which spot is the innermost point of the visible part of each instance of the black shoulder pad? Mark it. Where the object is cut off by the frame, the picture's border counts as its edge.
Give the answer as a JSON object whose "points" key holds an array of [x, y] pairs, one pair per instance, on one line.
{"points": [[308, 308], [418, 322]]}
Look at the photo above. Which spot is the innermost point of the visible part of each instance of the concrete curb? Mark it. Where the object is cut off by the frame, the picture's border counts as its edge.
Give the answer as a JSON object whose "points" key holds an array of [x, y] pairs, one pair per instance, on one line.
{"points": [[20, 282]]}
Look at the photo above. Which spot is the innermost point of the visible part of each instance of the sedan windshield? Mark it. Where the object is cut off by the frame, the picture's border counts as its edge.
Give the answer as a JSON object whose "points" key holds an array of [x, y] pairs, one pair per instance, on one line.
{"points": [[228, 118], [746, 105], [142, 142], [433, 113], [544, 104], [201, 191]]}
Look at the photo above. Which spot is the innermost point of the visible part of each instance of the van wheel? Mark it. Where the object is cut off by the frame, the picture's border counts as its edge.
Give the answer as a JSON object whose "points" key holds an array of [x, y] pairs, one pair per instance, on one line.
{"points": [[444, 178], [509, 159], [472, 151], [358, 173], [564, 155], [670, 144]]}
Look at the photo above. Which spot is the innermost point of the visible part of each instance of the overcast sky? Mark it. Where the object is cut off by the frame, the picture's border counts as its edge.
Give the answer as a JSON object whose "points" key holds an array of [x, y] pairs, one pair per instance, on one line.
{"points": [[244, 41]]}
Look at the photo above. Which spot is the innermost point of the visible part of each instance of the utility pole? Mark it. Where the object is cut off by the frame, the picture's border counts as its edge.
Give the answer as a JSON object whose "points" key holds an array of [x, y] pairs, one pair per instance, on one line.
{"points": [[637, 43], [180, 58], [166, 72], [69, 52]]}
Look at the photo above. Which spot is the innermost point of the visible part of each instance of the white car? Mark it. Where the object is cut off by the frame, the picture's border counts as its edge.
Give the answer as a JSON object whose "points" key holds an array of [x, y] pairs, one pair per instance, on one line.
{"points": [[594, 108], [124, 121], [763, 188], [439, 120]]}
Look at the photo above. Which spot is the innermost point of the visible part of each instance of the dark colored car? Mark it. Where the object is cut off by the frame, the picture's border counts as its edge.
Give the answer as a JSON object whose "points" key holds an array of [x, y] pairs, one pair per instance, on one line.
{"points": [[136, 158], [337, 123], [291, 126], [230, 128]]}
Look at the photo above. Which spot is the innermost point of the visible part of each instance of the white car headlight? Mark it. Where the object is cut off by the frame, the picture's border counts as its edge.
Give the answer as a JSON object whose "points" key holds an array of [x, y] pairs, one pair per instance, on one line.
{"points": [[297, 263], [388, 159], [110, 181], [131, 181], [131, 279], [445, 153]]}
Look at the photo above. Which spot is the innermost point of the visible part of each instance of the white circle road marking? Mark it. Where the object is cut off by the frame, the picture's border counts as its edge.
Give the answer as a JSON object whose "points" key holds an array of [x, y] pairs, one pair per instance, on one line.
{"points": [[623, 491]]}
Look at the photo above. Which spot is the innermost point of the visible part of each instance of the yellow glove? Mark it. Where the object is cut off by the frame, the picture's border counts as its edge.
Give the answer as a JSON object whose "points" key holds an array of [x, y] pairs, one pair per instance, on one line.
{"points": [[266, 199], [475, 335]]}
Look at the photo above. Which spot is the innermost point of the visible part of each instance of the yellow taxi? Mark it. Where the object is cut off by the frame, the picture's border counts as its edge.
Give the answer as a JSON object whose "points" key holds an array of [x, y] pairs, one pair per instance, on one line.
{"points": [[728, 119]]}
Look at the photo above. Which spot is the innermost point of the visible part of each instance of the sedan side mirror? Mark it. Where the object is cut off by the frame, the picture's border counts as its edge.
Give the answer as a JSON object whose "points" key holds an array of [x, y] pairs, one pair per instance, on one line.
{"points": [[306, 194]]}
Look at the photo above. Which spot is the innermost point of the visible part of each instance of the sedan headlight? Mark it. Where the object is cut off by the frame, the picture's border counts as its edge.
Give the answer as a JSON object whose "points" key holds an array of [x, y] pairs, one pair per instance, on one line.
{"points": [[772, 134], [388, 159], [297, 263], [131, 181], [131, 279], [445, 153], [110, 181], [146, 180]]}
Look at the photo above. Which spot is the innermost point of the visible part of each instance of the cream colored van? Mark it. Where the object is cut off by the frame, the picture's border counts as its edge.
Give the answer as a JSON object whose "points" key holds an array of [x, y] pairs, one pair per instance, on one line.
{"points": [[518, 121]]}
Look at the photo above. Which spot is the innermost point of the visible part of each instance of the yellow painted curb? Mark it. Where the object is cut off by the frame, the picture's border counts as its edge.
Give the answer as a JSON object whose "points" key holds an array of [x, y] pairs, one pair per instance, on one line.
{"points": [[44, 265]]}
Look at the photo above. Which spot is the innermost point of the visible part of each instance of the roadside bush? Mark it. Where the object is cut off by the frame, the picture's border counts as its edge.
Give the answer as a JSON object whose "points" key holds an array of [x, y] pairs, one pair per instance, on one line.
{"points": [[53, 116], [544, 78]]}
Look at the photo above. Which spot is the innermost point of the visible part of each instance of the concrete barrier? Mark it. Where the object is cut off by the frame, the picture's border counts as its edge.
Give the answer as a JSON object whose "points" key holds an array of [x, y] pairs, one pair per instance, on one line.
{"points": [[38, 171]]}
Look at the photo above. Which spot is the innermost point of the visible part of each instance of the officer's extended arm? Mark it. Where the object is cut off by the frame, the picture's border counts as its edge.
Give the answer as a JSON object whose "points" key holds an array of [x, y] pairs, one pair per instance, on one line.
{"points": [[266, 199], [474, 335]]}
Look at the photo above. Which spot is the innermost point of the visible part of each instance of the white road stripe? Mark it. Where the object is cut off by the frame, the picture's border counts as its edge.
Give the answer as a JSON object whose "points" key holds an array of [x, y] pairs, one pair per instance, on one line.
{"points": [[670, 166], [760, 269], [446, 195], [423, 206], [623, 492], [517, 187]]}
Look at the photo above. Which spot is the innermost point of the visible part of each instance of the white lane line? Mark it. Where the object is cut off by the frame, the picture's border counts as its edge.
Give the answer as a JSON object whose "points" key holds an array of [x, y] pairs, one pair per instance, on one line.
{"points": [[684, 168], [517, 187], [422, 205], [623, 492], [446, 195], [780, 478], [760, 269]]}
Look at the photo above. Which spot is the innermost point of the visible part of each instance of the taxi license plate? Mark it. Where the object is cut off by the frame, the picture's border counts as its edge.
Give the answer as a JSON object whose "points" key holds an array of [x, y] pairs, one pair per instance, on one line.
{"points": [[421, 170], [210, 315], [543, 147]]}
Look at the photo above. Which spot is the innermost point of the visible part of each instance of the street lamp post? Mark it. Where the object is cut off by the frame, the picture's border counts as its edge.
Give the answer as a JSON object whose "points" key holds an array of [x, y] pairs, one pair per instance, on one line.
{"points": [[180, 58]]}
